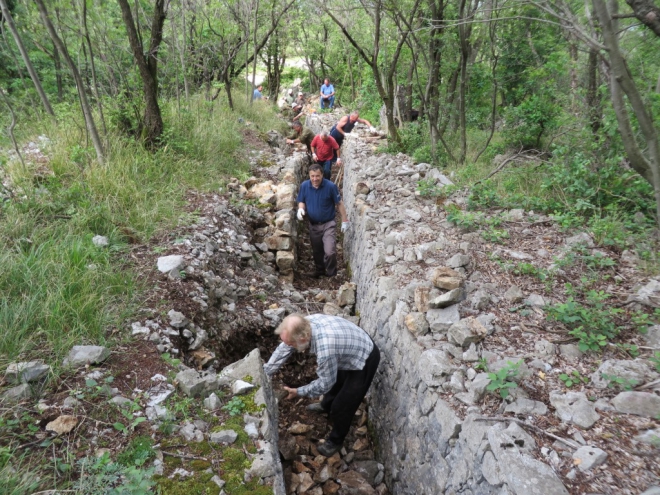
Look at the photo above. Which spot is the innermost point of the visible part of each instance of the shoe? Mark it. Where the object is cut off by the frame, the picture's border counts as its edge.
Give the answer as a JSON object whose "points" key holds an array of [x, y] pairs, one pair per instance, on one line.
{"points": [[328, 448], [316, 407], [316, 275]]}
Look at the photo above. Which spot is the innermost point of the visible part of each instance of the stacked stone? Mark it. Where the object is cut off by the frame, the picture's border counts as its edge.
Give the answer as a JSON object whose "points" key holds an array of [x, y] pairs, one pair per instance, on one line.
{"points": [[411, 282], [281, 234]]}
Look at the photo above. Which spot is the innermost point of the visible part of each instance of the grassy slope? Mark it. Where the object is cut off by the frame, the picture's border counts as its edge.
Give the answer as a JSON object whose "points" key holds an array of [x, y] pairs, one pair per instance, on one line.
{"points": [[57, 288]]}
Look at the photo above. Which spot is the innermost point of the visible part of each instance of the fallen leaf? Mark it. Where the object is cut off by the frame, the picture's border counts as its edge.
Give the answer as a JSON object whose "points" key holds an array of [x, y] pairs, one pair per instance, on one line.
{"points": [[541, 375], [63, 424]]}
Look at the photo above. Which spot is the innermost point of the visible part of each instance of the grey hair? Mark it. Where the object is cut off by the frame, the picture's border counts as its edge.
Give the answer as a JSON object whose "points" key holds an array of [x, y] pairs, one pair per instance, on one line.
{"points": [[300, 330], [324, 133], [355, 113]]}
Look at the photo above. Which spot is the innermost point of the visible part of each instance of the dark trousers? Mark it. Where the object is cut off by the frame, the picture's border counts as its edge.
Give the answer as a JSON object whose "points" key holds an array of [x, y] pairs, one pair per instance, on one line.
{"points": [[324, 247], [346, 395], [327, 166]]}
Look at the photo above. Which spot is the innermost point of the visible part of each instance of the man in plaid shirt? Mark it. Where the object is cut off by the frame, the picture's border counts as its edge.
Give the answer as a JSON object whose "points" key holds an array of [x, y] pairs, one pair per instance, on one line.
{"points": [[346, 358]]}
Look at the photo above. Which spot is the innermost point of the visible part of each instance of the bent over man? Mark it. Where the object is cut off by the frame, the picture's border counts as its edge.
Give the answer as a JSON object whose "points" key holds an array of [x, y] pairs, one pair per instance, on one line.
{"points": [[318, 199], [345, 125], [347, 362]]}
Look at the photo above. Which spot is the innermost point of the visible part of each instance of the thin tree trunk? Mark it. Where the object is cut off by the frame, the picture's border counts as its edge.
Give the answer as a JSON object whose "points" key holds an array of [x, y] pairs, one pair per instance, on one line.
{"points": [[99, 103], [182, 53], [17, 64], [84, 102], [350, 72], [10, 131], [256, 50], [26, 59], [148, 66]]}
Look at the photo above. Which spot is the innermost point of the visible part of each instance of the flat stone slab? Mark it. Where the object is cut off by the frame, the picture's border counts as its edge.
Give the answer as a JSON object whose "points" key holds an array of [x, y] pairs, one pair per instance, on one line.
{"points": [[223, 436], [166, 264], [26, 372], [574, 408], [81, 355], [643, 404], [588, 457], [441, 319]]}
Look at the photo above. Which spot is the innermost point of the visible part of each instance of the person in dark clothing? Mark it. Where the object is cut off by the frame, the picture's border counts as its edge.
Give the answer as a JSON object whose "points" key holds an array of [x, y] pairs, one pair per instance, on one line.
{"points": [[318, 200], [346, 125], [347, 362]]}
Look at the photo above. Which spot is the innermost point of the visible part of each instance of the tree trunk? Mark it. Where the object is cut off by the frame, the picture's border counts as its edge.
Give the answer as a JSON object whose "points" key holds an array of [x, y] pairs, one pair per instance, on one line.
{"points": [[594, 106], [26, 59], [84, 102], [648, 166], [99, 103], [148, 67]]}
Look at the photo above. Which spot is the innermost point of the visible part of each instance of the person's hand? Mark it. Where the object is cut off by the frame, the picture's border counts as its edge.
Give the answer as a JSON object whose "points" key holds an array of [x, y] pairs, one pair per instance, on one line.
{"points": [[301, 214], [314, 156], [289, 141], [293, 392], [372, 130], [338, 161], [345, 226]]}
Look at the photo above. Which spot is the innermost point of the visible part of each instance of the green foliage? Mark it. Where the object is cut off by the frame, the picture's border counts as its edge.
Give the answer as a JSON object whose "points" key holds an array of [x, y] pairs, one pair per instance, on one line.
{"points": [[105, 477], [573, 378], [235, 406], [429, 189], [655, 359], [139, 451], [620, 382], [593, 324], [503, 380]]}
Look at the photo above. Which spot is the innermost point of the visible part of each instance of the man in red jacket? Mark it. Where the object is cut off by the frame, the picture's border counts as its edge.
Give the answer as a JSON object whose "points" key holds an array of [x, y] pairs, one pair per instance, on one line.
{"points": [[323, 152]]}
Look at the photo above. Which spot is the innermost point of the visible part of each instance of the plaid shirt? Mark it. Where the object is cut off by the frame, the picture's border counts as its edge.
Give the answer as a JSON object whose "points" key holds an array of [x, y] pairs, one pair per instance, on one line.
{"points": [[338, 345]]}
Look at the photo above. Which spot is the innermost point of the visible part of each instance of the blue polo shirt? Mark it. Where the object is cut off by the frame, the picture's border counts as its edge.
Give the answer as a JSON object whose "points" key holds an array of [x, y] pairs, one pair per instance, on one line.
{"points": [[320, 202], [327, 90]]}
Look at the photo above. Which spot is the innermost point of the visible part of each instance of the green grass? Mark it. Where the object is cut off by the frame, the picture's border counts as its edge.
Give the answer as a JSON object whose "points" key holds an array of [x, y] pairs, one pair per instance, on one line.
{"points": [[57, 288]]}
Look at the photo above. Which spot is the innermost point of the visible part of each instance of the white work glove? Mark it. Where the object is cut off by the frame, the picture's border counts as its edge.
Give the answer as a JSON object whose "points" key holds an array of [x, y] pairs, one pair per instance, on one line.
{"points": [[338, 161], [345, 226], [301, 214], [314, 156], [372, 130]]}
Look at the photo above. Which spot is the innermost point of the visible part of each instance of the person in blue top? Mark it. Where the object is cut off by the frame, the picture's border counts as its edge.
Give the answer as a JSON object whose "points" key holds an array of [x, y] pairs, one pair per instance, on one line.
{"points": [[256, 95], [318, 200], [327, 94]]}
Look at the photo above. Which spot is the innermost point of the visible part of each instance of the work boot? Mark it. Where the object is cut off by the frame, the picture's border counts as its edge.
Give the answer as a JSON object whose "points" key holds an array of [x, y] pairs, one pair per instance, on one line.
{"points": [[316, 407], [328, 448]]}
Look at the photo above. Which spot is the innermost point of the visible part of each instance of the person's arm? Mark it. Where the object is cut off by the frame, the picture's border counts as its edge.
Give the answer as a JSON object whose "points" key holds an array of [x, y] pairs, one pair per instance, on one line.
{"points": [[302, 205], [333, 91], [279, 357], [342, 211], [365, 121], [327, 376]]}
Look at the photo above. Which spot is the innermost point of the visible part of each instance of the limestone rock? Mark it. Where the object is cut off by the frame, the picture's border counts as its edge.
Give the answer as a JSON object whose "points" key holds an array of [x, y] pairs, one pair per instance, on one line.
{"points": [[278, 243], [514, 294], [459, 260], [212, 402], [416, 323], [100, 241], [196, 384], [16, 394], [526, 407], [346, 294], [635, 372], [26, 372], [177, 319], [285, 261], [575, 408], [362, 188], [63, 424], [353, 483], [168, 264], [587, 457], [239, 387], [298, 428], [440, 320], [446, 278], [466, 331], [643, 404], [652, 336], [535, 301], [84, 354], [223, 436], [422, 296], [452, 297], [649, 295], [435, 367], [581, 238]]}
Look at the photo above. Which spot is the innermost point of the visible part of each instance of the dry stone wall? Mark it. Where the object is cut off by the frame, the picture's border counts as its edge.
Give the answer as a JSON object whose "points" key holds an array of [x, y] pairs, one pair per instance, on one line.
{"points": [[399, 258]]}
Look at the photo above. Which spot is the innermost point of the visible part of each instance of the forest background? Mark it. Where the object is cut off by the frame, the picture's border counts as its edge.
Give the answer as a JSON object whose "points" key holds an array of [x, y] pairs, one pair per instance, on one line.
{"points": [[549, 106]]}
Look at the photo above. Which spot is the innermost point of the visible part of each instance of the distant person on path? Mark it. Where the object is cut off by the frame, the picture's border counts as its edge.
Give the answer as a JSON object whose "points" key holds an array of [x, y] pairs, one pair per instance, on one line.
{"points": [[345, 126], [319, 200], [301, 99], [256, 94], [327, 95], [347, 362], [296, 111], [325, 151], [302, 135]]}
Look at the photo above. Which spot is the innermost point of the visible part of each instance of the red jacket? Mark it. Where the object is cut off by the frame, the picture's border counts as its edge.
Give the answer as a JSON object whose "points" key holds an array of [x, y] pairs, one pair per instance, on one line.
{"points": [[324, 148]]}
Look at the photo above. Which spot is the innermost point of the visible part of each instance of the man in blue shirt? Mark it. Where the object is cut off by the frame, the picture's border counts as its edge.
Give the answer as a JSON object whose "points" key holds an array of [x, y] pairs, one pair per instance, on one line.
{"points": [[327, 94], [256, 95], [319, 199]]}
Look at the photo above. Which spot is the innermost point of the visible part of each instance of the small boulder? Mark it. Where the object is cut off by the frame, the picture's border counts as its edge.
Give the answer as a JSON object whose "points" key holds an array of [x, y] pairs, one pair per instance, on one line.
{"points": [[81, 355], [416, 323], [446, 278], [223, 436], [168, 264], [466, 331], [588, 457], [643, 404], [575, 408], [26, 372]]}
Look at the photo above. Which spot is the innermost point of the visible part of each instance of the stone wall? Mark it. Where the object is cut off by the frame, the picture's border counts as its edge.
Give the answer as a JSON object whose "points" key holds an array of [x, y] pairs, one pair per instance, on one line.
{"points": [[428, 443]]}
